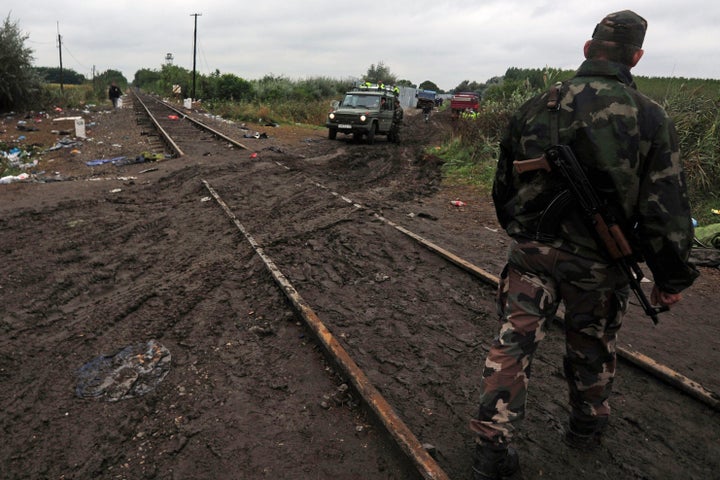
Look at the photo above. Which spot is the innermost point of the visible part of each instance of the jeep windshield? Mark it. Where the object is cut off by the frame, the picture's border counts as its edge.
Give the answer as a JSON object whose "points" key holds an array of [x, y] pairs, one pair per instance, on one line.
{"points": [[359, 100]]}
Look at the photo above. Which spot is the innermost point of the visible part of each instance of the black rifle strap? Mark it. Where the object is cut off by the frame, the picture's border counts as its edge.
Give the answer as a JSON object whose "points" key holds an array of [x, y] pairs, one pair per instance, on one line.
{"points": [[553, 106], [554, 213]]}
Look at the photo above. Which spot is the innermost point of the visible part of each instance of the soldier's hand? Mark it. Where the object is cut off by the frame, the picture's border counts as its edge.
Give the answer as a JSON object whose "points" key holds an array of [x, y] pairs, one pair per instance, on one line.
{"points": [[658, 297]]}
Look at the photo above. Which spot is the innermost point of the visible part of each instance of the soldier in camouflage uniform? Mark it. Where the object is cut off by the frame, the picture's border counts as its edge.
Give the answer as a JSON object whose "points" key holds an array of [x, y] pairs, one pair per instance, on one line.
{"points": [[398, 114], [628, 146]]}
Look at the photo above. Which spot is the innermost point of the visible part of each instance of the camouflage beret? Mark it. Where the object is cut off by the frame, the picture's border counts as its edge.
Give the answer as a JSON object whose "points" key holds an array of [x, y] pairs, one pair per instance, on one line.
{"points": [[622, 27]]}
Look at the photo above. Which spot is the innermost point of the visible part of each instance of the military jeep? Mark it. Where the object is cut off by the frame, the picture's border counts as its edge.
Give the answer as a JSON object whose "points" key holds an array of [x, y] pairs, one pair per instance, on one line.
{"points": [[366, 111]]}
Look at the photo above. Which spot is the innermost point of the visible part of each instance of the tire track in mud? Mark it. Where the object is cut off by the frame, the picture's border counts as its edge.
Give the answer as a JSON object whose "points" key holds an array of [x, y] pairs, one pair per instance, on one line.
{"points": [[190, 282], [382, 304], [397, 330]]}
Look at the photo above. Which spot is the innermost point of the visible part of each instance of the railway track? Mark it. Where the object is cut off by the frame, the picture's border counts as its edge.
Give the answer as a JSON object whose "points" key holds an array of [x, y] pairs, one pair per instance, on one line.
{"points": [[317, 260]]}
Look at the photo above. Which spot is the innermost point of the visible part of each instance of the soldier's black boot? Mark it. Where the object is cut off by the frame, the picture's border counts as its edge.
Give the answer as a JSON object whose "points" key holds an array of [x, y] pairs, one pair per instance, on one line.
{"points": [[585, 433], [495, 462]]}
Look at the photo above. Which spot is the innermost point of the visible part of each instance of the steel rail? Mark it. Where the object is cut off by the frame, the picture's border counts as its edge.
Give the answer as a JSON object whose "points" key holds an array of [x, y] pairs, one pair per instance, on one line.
{"points": [[201, 125], [393, 424], [163, 134], [660, 371], [670, 376]]}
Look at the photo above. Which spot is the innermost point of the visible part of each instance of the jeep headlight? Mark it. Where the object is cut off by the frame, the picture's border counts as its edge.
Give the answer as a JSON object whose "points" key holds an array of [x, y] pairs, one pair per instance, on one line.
{"points": [[363, 118], [331, 116]]}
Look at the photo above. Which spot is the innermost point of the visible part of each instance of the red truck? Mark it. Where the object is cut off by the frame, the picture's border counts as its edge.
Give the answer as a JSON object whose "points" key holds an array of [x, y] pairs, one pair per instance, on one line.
{"points": [[463, 102]]}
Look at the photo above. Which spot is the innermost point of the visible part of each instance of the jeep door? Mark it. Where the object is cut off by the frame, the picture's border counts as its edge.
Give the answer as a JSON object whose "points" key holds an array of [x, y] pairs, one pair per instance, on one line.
{"points": [[385, 117]]}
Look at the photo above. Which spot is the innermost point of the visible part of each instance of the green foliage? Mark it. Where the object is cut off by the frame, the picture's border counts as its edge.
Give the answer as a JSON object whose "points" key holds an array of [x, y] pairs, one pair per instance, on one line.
{"points": [[380, 73], [405, 83], [691, 103], [288, 112], [227, 87], [468, 86], [20, 84], [72, 96], [428, 85], [273, 89], [66, 76], [694, 109], [468, 166], [144, 78]]}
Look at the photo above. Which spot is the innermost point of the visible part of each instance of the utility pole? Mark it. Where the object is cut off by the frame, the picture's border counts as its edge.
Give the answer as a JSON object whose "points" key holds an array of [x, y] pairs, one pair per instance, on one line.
{"points": [[194, 50], [62, 90]]}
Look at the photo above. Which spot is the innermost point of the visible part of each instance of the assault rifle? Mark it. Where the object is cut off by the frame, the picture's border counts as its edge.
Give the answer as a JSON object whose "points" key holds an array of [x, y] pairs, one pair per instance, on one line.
{"points": [[562, 159]]}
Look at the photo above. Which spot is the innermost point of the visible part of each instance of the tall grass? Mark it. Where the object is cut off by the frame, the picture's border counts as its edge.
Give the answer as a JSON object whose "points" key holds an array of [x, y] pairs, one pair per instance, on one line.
{"points": [[72, 96], [312, 112], [692, 104]]}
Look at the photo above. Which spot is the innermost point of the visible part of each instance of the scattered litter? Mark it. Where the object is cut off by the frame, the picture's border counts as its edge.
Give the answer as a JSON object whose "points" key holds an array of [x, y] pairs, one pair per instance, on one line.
{"points": [[147, 170], [458, 203], [253, 155], [709, 235], [205, 199], [153, 156], [122, 160], [133, 371], [173, 117], [14, 178], [494, 230], [381, 277], [426, 215], [63, 143], [262, 331], [256, 135], [63, 119], [102, 161], [116, 190]]}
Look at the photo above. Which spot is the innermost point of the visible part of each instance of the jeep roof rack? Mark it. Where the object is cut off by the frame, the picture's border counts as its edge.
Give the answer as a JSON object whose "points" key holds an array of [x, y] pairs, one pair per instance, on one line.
{"points": [[379, 88]]}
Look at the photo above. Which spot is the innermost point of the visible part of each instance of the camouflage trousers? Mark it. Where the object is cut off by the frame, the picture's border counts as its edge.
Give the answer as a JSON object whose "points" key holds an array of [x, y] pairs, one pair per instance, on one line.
{"points": [[535, 280]]}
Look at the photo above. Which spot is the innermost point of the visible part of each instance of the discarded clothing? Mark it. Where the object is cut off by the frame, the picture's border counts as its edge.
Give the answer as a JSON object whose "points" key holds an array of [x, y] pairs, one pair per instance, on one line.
{"points": [[256, 135], [103, 161], [133, 371], [709, 235]]}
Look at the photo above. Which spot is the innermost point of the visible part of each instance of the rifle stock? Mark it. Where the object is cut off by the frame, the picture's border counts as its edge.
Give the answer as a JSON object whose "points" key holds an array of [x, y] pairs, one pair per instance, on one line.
{"points": [[562, 159], [538, 163]]}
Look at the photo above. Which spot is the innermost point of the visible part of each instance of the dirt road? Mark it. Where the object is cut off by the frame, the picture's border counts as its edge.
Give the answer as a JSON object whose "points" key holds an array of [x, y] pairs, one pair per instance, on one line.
{"points": [[104, 257]]}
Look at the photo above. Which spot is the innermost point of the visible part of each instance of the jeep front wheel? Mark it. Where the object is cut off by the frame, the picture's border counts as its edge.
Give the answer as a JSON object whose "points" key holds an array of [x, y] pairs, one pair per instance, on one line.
{"points": [[332, 133]]}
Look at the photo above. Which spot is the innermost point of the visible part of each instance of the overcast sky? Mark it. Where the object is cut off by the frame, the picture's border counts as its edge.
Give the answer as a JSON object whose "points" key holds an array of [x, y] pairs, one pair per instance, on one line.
{"points": [[445, 42]]}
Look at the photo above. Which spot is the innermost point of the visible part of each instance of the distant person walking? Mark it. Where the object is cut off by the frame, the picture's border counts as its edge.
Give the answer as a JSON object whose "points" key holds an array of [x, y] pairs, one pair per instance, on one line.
{"points": [[426, 109], [114, 93]]}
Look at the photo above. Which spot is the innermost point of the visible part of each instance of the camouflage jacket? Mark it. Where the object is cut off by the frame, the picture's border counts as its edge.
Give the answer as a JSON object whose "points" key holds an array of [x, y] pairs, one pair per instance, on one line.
{"points": [[629, 149], [398, 115]]}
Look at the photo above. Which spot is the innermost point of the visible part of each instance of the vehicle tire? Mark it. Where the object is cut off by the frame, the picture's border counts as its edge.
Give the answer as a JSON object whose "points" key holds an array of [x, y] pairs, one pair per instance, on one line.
{"points": [[332, 133], [357, 136], [371, 134]]}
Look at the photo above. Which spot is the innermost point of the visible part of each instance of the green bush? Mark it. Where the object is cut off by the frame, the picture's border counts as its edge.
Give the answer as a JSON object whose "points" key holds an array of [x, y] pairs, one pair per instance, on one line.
{"points": [[692, 104]]}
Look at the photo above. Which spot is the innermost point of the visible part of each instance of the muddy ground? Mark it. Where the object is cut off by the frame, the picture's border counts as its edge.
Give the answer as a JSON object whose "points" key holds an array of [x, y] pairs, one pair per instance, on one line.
{"points": [[101, 257]]}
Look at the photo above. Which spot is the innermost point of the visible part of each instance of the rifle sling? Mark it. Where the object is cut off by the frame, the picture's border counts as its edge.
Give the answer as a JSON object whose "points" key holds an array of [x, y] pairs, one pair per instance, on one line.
{"points": [[553, 214]]}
